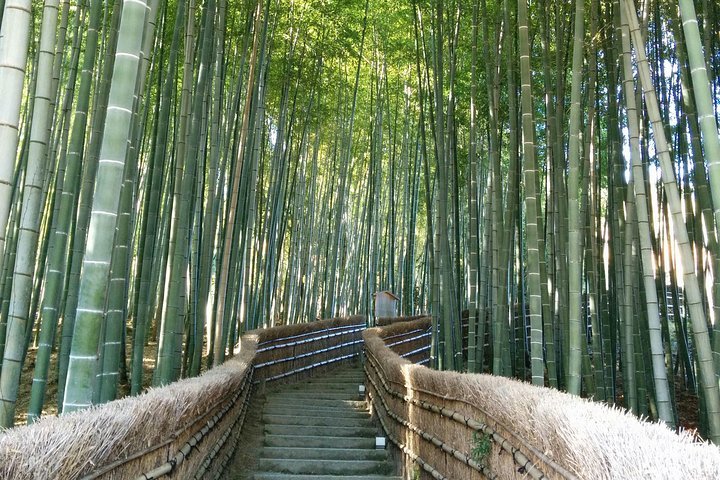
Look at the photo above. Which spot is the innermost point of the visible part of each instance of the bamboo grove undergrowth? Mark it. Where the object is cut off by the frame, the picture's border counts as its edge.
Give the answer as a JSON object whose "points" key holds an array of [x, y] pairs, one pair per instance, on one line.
{"points": [[540, 176]]}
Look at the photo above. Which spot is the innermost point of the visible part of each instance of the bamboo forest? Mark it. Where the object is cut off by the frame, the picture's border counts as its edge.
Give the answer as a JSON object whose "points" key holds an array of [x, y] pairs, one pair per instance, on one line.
{"points": [[541, 177]]}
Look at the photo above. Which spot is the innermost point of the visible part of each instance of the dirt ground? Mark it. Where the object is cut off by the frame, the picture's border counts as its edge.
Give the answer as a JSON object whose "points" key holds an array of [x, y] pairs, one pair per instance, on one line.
{"points": [[51, 401], [687, 403], [248, 449]]}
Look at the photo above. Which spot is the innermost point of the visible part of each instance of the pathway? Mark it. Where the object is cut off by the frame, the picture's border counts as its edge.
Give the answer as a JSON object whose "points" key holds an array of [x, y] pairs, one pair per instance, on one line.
{"points": [[320, 429]]}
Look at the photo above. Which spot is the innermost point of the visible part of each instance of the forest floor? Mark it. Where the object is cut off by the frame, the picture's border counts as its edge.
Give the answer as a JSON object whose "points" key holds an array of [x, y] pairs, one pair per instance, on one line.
{"points": [[686, 400], [50, 408]]}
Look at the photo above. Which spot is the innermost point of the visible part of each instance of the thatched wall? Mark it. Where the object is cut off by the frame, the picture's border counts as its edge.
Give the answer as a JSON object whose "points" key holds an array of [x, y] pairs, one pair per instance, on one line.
{"points": [[188, 429], [291, 352], [385, 321], [530, 432], [134, 435], [409, 337]]}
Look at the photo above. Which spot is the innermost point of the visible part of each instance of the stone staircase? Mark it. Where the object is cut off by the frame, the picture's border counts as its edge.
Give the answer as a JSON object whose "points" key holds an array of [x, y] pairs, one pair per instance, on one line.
{"points": [[320, 429]]}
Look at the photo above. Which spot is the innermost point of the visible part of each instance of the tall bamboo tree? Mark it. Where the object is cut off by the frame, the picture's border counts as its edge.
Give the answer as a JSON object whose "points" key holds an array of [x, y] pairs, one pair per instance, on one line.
{"points": [[96, 261], [531, 202], [662, 391], [574, 193], [25, 255], [708, 381], [14, 40]]}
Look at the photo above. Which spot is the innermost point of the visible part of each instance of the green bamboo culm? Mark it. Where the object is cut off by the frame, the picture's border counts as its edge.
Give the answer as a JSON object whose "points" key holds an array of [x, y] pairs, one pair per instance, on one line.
{"points": [[173, 315], [152, 205], [531, 201], [574, 221], [474, 246], [82, 366], [662, 389], [706, 370], [112, 355], [703, 100], [22, 284], [90, 158], [168, 359], [709, 135], [14, 39], [57, 259]]}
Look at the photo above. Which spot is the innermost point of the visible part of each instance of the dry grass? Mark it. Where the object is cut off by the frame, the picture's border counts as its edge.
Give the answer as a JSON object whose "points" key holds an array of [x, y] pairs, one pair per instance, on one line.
{"points": [[386, 321], [50, 407], [588, 439], [81, 442], [137, 434]]}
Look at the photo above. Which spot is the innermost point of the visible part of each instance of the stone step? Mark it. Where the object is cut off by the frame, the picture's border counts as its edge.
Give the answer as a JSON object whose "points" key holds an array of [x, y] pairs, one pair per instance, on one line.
{"points": [[324, 467], [338, 412], [325, 387], [350, 377], [305, 395], [319, 431], [337, 379], [318, 383], [309, 418], [289, 476], [324, 453], [347, 370], [303, 402], [318, 441], [347, 393]]}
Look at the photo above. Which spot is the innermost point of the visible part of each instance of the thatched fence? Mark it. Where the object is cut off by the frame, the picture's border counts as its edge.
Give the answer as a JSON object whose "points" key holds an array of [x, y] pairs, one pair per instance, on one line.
{"points": [[449, 425], [293, 351], [453, 426], [188, 429]]}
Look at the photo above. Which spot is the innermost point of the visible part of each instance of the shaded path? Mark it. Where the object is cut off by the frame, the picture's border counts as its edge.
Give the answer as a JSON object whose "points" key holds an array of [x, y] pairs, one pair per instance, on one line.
{"points": [[319, 429]]}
